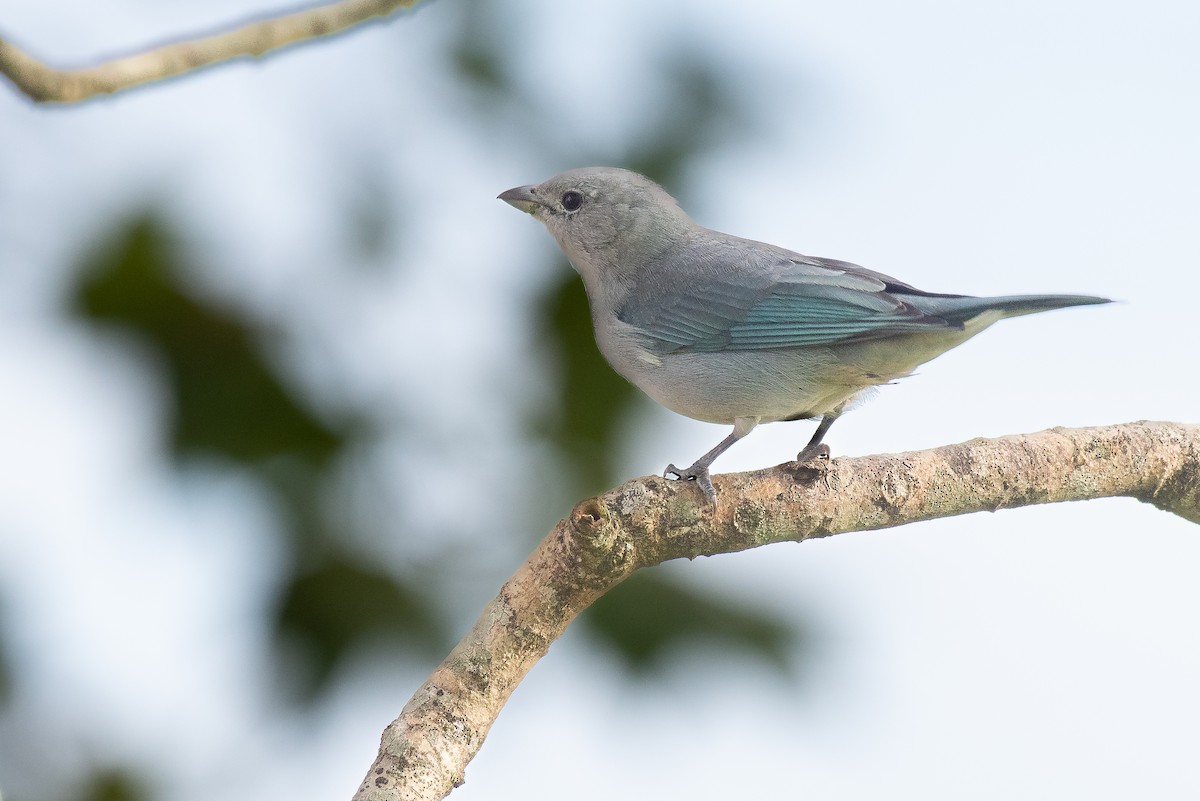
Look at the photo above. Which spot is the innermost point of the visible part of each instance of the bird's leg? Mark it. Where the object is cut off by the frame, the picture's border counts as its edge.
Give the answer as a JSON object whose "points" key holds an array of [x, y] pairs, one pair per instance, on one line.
{"points": [[698, 472], [815, 449]]}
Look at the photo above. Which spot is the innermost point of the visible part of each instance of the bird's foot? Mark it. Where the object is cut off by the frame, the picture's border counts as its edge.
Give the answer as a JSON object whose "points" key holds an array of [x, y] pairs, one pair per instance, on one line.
{"points": [[814, 452], [699, 474]]}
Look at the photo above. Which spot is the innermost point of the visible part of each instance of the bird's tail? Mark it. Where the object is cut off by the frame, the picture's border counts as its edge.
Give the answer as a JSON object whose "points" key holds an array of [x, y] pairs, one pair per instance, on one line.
{"points": [[961, 309]]}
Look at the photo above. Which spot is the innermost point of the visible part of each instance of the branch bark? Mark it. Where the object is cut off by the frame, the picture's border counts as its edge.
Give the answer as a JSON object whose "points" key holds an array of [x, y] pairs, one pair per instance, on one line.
{"points": [[44, 84], [424, 752]]}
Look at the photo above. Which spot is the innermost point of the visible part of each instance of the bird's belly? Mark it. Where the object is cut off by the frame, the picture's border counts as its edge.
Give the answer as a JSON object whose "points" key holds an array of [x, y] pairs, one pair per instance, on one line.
{"points": [[769, 385]]}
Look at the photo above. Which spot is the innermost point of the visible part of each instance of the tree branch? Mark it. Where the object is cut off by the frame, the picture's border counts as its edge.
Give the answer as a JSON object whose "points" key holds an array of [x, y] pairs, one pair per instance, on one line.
{"points": [[646, 521], [45, 84]]}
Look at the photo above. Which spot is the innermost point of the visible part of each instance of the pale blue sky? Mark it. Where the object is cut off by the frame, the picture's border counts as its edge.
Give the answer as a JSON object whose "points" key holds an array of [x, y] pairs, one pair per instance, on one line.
{"points": [[983, 149]]}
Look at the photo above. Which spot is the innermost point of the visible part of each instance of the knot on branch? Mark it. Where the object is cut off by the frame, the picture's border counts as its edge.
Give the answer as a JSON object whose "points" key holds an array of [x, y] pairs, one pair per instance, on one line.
{"points": [[588, 517], [1179, 491], [594, 540], [806, 474]]}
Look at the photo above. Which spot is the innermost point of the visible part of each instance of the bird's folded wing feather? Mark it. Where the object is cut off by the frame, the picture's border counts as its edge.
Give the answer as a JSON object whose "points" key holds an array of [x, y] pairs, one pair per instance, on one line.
{"points": [[786, 303]]}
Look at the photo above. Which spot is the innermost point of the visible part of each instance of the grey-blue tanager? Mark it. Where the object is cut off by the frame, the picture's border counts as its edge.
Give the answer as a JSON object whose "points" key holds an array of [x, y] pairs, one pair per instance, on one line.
{"points": [[729, 330]]}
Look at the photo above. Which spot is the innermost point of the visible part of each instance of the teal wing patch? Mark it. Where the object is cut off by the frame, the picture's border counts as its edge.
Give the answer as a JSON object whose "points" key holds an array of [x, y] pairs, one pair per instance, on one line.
{"points": [[795, 308]]}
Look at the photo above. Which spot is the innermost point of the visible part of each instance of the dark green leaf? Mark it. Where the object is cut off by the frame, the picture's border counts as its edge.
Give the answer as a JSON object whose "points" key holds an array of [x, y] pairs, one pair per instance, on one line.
{"points": [[324, 614], [227, 400], [478, 52], [593, 399], [649, 618], [114, 785]]}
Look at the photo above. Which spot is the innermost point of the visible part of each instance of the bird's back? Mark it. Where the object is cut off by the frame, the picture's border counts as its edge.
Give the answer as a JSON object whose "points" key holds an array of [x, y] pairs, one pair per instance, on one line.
{"points": [[725, 327]]}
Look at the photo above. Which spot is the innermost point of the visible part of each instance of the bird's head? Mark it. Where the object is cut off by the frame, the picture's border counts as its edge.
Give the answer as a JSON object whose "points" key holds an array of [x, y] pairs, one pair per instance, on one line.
{"points": [[610, 222]]}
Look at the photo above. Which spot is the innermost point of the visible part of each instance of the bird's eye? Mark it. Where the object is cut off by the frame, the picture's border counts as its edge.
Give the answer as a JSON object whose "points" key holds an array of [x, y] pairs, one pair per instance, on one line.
{"points": [[572, 200]]}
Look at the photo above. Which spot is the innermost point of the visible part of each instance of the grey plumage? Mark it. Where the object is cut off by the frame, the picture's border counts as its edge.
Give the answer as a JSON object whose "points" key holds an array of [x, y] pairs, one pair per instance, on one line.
{"points": [[729, 330]]}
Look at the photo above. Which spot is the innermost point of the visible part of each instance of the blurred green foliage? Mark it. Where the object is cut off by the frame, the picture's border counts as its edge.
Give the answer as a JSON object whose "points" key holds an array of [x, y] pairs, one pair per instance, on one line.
{"points": [[590, 399], [340, 606], [5, 670], [112, 784], [477, 54], [229, 403], [649, 620]]}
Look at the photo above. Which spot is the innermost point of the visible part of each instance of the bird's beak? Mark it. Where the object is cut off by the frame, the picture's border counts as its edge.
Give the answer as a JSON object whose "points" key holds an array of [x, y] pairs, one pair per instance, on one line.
{"points": [[521, 197]]}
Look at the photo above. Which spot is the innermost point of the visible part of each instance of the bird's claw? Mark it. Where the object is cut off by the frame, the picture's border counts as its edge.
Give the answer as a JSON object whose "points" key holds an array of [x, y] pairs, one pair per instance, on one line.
{"points": [[696, 473], [820, 451]]}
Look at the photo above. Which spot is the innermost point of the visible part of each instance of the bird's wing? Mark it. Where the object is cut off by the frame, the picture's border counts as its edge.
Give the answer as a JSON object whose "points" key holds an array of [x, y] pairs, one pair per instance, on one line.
{"points": [[783, 301]]}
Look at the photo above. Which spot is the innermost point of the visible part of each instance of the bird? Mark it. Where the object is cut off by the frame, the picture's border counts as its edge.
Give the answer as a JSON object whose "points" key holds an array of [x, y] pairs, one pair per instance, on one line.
{"points": [[738, 332]]}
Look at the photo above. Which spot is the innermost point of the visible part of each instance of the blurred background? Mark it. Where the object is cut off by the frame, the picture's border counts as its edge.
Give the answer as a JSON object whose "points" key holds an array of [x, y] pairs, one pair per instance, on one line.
{"points": [[286, 395]]}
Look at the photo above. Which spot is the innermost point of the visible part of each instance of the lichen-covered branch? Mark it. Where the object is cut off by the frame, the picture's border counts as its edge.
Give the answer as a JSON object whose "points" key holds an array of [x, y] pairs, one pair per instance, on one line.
{"points": [[649, 520], [45, 84]]}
